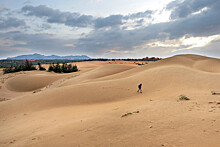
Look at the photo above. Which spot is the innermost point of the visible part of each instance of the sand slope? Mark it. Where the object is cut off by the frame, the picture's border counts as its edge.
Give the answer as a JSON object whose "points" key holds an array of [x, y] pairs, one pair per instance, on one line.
{"points": [[32, 81], [99, 72], [85, 108]]}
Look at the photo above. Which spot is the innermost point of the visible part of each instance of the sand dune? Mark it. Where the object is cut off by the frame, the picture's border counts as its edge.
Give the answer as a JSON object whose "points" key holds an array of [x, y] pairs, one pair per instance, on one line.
{"points": [[85, 108], [32, 81], [209, 65], [99, 72]]}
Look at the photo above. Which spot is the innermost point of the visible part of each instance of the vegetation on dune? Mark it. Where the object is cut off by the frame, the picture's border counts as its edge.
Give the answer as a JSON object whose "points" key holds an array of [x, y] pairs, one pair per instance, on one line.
{"points": [[40, 67], [12, 66], [28, 66], [64, 68], [183, 97], [16, 63], [13, 63]]}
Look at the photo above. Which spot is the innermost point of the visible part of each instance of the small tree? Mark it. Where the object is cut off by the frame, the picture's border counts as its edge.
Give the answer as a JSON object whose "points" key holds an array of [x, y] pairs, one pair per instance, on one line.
{"points": [[40, 67], [69, 68], [29, 66], [64, 68], [8, 70], [74, 69], [57, 68], [50, 68]]}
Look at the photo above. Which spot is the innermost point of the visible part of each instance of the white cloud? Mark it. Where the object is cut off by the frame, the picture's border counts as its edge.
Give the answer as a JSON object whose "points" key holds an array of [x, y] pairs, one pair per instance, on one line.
{"points": [[182, 43], [195, 42], [69, 45]]}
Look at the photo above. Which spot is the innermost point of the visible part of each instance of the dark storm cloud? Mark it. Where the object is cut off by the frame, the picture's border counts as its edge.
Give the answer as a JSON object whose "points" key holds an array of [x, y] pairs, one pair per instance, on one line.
{"points": [[146, 14], [101, 41], [199, 25], [117, 37], [113, 20], [44, 43], [8, 53], [11, 23], [187, 7], [202, 24], [56, 16], [8, 21], [117, 20], [79, 20]]}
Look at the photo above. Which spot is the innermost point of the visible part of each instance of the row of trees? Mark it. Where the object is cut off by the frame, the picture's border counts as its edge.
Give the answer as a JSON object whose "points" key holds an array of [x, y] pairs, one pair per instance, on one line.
{"points": [[8, 63], [128, 59], [28, 66], [64, 68]]}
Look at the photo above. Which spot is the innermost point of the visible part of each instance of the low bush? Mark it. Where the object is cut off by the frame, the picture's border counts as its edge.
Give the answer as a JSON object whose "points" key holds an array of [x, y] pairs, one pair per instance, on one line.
{"points": [[183, 97], [64, 68], [40, 67]]}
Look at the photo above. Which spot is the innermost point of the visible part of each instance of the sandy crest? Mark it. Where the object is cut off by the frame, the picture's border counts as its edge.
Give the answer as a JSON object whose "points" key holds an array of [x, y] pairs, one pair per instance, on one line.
{"points": [[85, 108]]}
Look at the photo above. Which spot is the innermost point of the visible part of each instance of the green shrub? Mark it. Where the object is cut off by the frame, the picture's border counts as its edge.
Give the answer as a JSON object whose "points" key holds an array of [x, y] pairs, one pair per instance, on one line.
{"points": [[183, 97], [40, 67], [50, 68], [64, 68], [74, 69], [8, 70]]}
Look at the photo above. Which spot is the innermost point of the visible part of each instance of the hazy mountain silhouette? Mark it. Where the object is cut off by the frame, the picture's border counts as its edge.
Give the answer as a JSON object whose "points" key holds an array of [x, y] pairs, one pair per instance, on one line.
{"points": [[52, 57]]}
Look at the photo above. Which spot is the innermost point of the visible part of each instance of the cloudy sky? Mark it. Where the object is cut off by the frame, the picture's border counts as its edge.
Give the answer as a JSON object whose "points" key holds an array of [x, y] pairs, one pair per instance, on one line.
{"points": [[110, 28]]}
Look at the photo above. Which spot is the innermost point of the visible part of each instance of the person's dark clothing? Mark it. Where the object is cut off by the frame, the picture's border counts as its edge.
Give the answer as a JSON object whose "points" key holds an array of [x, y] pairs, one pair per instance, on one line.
{"points": [[139, 86]]}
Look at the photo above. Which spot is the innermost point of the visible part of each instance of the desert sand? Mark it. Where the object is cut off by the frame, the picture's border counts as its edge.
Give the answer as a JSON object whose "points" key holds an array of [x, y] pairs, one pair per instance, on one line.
{"points": [[85, 108]]}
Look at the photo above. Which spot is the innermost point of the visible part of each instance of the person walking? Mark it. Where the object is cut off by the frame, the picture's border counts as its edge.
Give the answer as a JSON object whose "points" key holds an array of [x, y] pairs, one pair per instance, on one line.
{"points": [[139, 88]]}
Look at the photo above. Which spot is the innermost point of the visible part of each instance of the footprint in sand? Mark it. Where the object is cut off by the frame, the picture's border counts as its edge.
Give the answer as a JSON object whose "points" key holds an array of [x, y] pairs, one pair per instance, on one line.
{"points": [[12, 141], [211, 102], [3, 99], [212, 110]]}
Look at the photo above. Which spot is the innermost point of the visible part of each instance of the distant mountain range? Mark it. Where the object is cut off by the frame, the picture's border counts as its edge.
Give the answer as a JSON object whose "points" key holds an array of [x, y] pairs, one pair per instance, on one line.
{"points": [[52, 57]]}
